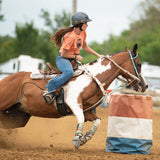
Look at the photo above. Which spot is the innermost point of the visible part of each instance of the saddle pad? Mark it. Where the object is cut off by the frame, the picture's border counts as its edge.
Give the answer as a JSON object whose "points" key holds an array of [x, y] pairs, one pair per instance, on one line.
{"points": [[37, 75]]}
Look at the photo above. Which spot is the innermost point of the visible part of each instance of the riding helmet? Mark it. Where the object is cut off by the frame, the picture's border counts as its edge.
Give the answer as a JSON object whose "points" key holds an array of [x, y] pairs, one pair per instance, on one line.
{"points": [[80, 17]]}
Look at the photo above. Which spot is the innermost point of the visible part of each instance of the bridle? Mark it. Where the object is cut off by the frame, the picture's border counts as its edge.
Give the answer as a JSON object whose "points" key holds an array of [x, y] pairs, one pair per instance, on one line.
{"points": [[135, 78], [127, 83], [132, 59], [101, 86]]}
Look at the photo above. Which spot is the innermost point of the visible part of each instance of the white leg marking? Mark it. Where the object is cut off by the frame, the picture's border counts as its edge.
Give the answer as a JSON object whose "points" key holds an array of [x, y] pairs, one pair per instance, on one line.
{"points": [[97, 122], [78, 112]]}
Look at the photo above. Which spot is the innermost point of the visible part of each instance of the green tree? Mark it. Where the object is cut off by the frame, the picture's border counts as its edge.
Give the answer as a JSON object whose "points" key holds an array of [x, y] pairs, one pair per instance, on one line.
{"points": [[150, 43], [7, 49], [60, 20], [31, 42], [47, 50], [145, 31], [26, 39], [148, 31], [1, 15]]}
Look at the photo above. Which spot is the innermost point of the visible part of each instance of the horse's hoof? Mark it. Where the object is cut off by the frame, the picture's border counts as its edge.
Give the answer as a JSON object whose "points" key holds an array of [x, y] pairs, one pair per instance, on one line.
{"points": [[76, 143], [83, 141]]}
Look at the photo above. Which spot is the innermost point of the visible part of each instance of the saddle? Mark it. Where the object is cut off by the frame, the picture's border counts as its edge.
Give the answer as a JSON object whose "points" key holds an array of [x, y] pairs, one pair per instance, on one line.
{"points": [[52, 72]]}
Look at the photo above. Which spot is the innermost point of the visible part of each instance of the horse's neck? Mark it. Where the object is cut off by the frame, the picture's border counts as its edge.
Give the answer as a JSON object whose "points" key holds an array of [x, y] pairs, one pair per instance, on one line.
{"points": [[119, 58], [109, 76], [105, 70], [96, 67]]}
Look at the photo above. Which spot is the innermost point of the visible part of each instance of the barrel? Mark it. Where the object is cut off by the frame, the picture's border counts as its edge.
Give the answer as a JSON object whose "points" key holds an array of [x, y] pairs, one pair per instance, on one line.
{"points": [[129, 124]]}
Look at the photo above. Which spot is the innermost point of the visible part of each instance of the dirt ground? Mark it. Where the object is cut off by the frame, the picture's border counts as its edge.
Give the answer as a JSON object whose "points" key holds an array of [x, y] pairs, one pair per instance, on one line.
{"points": [[51, 139]]}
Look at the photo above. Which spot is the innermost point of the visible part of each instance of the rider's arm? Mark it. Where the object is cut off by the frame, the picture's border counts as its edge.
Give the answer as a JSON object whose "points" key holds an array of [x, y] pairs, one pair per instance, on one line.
{"points": [[89, 50]]}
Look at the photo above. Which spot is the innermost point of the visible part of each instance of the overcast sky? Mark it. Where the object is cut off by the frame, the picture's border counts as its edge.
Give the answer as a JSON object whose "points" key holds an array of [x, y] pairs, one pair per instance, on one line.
{"points": [[109, 16]]}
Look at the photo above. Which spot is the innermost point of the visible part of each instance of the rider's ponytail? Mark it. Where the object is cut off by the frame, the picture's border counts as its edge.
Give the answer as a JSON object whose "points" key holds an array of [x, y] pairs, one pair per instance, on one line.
{"points": [[57, 37]]}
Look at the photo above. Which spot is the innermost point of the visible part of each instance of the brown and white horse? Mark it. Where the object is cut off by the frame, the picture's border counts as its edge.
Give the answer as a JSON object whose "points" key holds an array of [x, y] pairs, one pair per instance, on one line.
{"points": [[79, 93]]}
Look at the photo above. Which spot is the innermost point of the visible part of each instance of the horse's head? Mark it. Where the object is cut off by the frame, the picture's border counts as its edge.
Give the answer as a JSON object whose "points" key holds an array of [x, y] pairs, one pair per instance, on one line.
{"points": [[133, 66]]}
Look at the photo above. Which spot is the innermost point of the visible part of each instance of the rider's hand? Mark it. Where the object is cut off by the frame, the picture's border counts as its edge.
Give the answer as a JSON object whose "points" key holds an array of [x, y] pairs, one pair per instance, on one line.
{"points": [[79, 58], [100, 55]]}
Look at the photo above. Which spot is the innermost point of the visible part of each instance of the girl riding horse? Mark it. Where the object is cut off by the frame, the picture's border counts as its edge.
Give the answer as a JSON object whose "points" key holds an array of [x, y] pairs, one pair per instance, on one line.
{"points": [[73, 39]]}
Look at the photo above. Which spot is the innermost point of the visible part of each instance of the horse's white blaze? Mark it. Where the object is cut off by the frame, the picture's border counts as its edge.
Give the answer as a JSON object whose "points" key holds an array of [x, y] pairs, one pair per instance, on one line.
{"points": [[142, 75], [74, 88]]}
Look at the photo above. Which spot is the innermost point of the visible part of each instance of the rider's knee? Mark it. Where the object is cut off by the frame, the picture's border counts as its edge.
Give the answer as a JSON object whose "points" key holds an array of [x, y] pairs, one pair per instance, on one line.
{"points": [[69, 73]]}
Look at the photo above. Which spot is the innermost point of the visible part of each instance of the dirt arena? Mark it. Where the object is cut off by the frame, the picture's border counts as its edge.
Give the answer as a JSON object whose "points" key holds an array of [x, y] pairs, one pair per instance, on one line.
{"points": [[51, 139]]}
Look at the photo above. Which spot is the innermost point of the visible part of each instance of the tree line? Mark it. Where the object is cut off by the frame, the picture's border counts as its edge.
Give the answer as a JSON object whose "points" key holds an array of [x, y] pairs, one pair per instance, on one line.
{"points": [[32, 41]]}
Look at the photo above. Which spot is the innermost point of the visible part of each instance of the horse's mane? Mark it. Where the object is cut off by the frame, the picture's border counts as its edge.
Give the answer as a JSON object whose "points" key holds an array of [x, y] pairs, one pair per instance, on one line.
{"points": [[110, 55], [93, 62], [115, 53]]}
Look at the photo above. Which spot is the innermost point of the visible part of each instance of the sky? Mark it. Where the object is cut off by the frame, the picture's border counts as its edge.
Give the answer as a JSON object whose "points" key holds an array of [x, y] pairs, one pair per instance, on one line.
{"points": [[109, 16]]}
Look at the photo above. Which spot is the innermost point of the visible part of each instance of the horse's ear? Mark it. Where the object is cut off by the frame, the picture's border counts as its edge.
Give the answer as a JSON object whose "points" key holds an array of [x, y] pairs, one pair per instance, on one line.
{"points": [[127, 49], [135, 48]]}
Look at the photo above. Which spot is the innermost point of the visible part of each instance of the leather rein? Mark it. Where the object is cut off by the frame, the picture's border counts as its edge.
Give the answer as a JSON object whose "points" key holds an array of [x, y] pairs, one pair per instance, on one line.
{"points": [[101, 86]]}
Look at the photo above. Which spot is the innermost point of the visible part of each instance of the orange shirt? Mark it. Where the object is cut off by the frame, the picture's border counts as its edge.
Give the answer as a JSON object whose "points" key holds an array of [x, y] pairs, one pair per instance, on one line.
{"points": [[73, 42]]}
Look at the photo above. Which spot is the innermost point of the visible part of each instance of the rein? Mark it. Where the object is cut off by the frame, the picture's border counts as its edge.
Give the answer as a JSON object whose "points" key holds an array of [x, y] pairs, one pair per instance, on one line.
{"points": [[125, 71], [101, 86], [22, 93], [105, 95]]}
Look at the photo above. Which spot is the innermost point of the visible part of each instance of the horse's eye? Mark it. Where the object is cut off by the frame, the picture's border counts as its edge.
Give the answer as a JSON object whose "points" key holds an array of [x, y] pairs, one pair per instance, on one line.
{"points": [[139, 65]]}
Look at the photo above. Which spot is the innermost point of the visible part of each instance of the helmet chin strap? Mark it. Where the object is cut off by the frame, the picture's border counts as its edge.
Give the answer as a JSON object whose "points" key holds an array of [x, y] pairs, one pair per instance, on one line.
{"points": [[80, 26]]}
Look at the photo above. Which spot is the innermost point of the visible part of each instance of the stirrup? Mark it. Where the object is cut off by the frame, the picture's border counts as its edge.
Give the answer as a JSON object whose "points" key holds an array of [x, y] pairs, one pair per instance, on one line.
{"points": [[48, 97]]}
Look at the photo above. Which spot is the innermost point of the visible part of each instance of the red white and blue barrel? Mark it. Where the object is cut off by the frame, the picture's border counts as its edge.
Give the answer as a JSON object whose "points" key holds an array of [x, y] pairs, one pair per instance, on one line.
{"points": [[129, 124]]}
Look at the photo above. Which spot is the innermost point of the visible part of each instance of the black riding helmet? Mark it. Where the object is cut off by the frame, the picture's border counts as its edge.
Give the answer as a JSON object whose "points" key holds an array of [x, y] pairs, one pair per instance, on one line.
{"points": [[79, 18]]}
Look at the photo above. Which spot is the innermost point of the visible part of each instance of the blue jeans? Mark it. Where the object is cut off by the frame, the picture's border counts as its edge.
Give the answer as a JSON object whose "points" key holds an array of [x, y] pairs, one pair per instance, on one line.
{"points": [[66, 68]]}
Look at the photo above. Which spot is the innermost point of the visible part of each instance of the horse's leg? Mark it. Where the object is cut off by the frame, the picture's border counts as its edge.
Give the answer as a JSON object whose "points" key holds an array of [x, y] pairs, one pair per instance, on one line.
{"points": [[90, 116], [78, 135], [78, 112], [91, 132]]}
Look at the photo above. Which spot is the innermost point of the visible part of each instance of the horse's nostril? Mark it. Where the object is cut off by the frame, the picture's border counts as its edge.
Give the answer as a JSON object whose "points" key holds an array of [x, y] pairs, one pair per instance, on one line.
{"points": [[146, 86]]}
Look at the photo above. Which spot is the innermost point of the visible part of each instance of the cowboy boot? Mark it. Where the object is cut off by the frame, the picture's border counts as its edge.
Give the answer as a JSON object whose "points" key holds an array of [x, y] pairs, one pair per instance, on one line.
{"points": [[49, 97]]}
